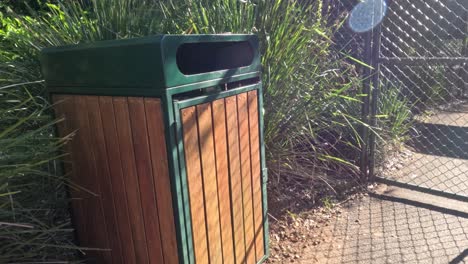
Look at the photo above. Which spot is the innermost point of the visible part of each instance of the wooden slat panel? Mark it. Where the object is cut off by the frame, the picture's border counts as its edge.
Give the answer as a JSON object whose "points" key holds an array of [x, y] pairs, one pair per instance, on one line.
{"points": [[98, 234], [161, 178], [205, 135], [244, 142], [131, 179], [119, 156], [145, 178], [98, 145], [256, 173], [64, 105], [117, 178], [236, 180], [222, 171], [195, 184]]}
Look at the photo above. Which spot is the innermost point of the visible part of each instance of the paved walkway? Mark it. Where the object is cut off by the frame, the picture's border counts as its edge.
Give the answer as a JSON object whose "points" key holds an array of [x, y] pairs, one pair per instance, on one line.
{"points": [[438, 153], [395, 225]]}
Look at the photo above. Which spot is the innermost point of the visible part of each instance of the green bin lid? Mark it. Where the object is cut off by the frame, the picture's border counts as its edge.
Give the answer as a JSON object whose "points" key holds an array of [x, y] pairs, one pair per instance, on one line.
{"points": [[155, 62]]}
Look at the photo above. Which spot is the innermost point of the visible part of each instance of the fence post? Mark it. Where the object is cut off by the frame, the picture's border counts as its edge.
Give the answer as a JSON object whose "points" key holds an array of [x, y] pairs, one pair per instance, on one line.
{"points": [[366, 105], [370, 103], [375, 82]]}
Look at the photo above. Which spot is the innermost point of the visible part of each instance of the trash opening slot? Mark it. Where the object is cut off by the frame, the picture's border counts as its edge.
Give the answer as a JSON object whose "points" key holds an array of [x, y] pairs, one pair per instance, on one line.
{"points": [[203, 57]]}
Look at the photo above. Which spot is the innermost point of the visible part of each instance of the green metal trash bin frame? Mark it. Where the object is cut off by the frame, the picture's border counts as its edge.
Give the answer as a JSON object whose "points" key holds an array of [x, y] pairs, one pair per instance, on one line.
{"points": [[169, 84], [178, 163]]}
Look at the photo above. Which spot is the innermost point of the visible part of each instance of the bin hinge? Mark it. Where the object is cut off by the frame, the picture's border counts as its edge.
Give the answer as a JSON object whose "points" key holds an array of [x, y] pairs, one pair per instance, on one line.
{"points": [[265, 174]]}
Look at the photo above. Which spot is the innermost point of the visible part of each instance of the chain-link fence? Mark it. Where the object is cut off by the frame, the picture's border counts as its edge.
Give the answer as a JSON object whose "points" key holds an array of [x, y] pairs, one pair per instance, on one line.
{"points": [[414, 67], [422, 102]]}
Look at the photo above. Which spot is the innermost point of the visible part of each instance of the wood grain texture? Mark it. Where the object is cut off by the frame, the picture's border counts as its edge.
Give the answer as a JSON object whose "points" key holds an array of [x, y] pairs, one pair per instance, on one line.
{"points": [[117, 178], [207, 151], [222, 173], [145, 178], [195, 184], [256, 174], [244, 142], [119, 160], [162, 183], [127, 158], [236, 178], [102, 176], [86, 168], [63, 107]]}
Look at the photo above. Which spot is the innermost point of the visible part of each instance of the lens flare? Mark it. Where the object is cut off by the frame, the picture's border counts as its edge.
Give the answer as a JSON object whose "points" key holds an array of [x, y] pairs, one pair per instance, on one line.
{"points": [[366, 15]]}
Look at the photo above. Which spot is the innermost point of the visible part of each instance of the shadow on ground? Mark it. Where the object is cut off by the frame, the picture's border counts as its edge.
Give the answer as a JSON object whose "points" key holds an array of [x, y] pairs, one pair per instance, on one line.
{"points": [[441, 140], [386, 228], [438, 154]]}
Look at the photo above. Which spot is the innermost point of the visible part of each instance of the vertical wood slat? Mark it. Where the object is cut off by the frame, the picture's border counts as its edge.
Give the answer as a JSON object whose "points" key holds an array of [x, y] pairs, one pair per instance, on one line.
{"points": [[127, 140], [76, 163], [233, 135], [102, 176], [244, 142], [117, 178], [86, 169], [236, 180], [222, 172], [63, 106], [162, 183], [195, 184], [205, 135], [145, 177], [130, 177], [256, 173], [118, 155]]}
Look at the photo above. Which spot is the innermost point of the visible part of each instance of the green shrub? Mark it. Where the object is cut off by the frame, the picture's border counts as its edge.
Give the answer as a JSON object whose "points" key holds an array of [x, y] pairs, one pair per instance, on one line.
{"points": [[308, 86], [34, 219], [312, 100], [394, 114], [311, 110]]}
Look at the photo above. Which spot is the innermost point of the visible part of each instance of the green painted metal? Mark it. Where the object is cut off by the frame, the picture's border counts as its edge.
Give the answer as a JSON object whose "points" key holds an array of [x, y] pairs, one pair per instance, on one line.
{"points": [[146, 63], [262, 260], [218, 95], [178, 105], [182, 174], [147, 67], [177, 186], [99, 91], [264, 173], [211, 83], [139, 91]]}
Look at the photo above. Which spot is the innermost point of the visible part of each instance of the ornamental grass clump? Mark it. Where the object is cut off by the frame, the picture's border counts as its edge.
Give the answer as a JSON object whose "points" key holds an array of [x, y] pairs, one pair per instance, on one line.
{"points": [[311, 95]]}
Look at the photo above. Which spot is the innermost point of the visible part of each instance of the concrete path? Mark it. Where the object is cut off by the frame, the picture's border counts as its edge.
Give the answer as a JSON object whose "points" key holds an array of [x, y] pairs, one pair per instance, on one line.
{"points": [[395, 225], [437, 153]]}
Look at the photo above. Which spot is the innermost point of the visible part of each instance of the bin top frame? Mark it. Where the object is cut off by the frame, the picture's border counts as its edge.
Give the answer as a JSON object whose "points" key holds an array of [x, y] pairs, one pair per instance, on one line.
{"points": [[141, 66]]}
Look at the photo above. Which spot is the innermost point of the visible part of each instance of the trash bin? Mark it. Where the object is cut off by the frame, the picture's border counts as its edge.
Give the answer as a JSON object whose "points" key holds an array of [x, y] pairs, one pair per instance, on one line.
{"points": [[166, 159]]}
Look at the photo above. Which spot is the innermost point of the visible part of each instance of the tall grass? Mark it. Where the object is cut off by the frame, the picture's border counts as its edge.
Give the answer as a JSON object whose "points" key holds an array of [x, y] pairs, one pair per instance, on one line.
{"points": [[311, 102], [309, 90], [395, 116], [312, 99], [34, 219]]}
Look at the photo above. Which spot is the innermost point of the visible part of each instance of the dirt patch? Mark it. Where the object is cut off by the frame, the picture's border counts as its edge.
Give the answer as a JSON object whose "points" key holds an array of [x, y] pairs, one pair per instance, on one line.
{"points": [[300, 214]]}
